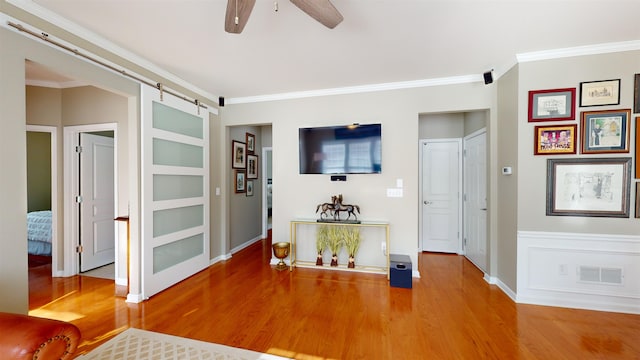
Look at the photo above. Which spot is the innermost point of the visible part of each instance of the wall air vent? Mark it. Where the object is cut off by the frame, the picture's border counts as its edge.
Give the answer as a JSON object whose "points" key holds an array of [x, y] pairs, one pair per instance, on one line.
{"points": [[595, 274]]}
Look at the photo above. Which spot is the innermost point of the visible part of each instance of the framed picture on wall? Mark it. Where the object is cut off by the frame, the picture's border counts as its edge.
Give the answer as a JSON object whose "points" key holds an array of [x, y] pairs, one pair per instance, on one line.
{"points": [[249, 187], [588, 187], [599, 93], [251, 143], [636, 94], [252, 166], [241, 181], [555, 140], [605, 131], [637, 157], [238, 155], [637, 214], [552, 105]]}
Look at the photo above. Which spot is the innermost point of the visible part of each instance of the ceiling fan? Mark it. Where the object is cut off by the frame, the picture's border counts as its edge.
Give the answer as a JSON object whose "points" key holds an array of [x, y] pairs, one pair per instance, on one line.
{"points": [[238, 12]]}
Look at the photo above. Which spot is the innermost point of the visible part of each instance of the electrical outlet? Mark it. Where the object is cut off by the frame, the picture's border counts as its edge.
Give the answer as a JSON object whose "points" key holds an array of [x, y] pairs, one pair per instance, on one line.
{"points": [[384, 247], [563, 269]]}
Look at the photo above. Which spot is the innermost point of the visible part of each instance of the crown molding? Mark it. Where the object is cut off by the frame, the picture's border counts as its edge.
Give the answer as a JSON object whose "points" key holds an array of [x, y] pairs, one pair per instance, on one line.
{"points": [[501, 70], [359, 89], [54, 84], [579, 51], [57, 20], [85, 34]]}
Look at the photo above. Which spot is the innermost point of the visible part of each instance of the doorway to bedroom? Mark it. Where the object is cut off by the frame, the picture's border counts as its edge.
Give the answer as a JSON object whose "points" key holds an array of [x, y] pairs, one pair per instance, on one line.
{"points": [[41, 194], [75, 115]]}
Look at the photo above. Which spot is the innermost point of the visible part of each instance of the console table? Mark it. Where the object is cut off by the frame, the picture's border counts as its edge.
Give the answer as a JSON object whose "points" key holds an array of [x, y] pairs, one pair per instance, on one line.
{"points": [[293, 236]]}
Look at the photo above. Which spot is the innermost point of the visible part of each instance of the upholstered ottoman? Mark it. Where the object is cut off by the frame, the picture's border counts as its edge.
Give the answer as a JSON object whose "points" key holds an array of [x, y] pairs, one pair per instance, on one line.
{"points": [[28, 337]]}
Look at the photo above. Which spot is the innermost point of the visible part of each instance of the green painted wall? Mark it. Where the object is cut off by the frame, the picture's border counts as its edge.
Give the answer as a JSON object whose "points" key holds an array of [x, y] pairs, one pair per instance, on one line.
{"points": [[38, 171]]}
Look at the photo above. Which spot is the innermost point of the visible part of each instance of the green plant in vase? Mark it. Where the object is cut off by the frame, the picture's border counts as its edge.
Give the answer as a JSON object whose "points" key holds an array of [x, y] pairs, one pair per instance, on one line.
{"points": [[335, 243], [352, 240], [322, 242]]}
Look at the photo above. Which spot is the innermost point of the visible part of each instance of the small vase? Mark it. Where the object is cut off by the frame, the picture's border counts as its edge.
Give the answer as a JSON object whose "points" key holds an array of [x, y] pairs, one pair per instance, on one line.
{"points": [[334, 260], [352, 262], [319, 260]]}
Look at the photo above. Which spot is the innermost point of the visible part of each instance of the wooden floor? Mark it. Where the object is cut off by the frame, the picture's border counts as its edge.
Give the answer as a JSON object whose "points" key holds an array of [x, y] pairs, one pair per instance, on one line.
{"points": [[451, 313]]}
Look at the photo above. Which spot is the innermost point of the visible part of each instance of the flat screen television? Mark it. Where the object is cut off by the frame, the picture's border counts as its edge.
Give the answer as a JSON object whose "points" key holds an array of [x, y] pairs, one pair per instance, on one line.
{"points": [[350, 149]]}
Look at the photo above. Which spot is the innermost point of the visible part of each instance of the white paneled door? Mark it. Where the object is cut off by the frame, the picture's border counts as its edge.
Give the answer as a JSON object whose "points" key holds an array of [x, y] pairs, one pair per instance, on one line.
{"points": [[441, 186], [97, 229], [475, 199], [175, 190]]}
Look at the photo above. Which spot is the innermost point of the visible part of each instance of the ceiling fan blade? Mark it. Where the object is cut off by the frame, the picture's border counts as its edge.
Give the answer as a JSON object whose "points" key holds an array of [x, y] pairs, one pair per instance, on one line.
{"points": [[321, 10], [240, 10]]}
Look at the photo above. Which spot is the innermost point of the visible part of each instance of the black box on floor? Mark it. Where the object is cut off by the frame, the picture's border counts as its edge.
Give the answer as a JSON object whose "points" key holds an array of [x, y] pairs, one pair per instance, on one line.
{"points": [[400, 271]]}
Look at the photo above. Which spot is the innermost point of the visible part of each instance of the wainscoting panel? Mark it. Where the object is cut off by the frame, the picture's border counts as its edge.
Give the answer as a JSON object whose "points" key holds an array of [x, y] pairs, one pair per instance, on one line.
{"points": [[586, 271]]}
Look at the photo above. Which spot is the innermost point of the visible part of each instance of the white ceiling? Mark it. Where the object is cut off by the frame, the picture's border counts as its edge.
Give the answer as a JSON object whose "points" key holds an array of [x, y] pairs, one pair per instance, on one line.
{"points": [[379, 41]]}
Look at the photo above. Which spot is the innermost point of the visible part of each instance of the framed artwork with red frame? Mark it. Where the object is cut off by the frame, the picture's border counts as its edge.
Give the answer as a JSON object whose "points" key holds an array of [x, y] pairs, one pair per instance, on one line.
{"points": [[552, 105]]}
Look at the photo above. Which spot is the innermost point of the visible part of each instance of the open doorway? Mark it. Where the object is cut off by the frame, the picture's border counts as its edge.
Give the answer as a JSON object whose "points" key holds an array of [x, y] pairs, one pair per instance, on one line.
{"points": [[267, 195], [90, 209], [63, 103], [468, 236], [42, 199]]}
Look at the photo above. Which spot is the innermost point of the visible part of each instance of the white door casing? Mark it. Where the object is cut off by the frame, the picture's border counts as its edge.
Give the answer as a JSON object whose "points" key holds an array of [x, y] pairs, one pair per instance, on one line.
{"points": [[175, 237], [71, 137], [475, 198], [97, 207], [441, 188]]}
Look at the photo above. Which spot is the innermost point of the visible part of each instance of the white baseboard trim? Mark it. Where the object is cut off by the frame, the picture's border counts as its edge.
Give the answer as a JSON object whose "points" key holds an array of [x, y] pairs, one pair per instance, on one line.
{"points": [[415, 274], [492, 280], [122, 281], [580, 302], [246, 244], [506, 289], [134, 298], [219, 258]]}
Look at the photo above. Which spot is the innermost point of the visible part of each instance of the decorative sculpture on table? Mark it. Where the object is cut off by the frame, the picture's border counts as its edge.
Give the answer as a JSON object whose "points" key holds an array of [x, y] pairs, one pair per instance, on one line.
{"points": [[338, 207], [334, 208], [326, 207]]}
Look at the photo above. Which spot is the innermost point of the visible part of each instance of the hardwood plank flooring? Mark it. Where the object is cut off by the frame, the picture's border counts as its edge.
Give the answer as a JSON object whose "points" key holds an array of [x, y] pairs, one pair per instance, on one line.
{"points": [[451, 313]]}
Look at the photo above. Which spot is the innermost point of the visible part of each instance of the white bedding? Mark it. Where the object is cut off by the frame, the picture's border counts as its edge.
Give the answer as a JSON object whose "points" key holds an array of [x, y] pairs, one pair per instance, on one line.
{"points": [[39, 232]]}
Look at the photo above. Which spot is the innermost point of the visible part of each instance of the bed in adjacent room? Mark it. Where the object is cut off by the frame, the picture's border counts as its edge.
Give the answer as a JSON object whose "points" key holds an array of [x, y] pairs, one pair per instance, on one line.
{"points": [[39, 236]]}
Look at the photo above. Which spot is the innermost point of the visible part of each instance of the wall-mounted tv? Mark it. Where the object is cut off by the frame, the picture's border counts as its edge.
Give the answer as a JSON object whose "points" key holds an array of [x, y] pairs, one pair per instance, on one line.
{"points": [[350, 149]]}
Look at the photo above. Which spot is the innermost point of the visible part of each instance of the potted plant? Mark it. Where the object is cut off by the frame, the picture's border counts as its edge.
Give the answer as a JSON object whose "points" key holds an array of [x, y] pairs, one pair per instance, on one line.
{"points": [[352, 239], [335, 243], [322, 242]]}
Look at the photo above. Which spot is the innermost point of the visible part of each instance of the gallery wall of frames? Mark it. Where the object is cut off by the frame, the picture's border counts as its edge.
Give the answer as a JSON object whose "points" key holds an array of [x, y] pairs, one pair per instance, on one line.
{"points": [[244, 161], [593, 184]]}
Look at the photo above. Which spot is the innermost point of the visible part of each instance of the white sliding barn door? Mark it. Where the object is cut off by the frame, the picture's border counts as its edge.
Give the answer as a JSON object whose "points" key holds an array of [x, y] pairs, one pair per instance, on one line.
{"points": [[175, 190]]}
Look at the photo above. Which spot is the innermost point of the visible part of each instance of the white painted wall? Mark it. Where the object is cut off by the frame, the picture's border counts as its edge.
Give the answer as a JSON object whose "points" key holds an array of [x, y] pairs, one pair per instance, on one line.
{"points": [[296, 195]]}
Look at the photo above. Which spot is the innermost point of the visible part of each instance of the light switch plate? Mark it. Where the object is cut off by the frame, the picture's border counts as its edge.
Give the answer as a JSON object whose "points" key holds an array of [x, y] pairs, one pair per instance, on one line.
{"points": [[394, 192]]}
